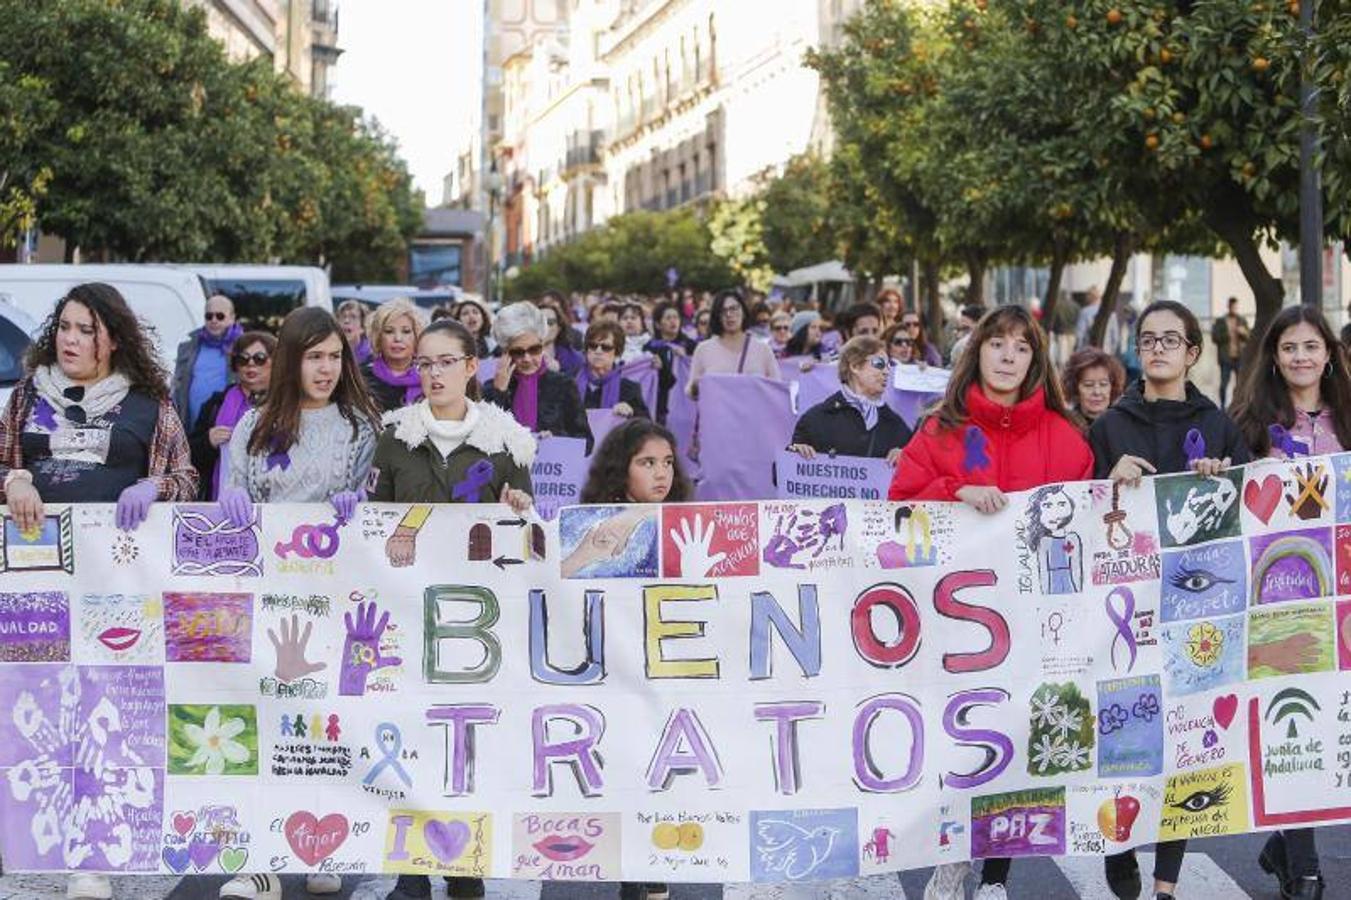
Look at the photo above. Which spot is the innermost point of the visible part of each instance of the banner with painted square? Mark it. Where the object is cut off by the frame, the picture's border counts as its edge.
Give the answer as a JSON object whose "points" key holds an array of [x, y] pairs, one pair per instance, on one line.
{"points": [[773, 690]]}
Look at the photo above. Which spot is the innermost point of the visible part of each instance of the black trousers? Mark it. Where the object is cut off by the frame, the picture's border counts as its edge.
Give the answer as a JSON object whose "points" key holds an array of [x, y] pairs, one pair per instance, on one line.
{"points": [[1167, 860]]}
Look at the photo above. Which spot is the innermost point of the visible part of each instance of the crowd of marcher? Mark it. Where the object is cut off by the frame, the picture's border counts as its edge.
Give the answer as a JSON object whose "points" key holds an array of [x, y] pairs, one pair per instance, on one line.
{"points": [[392, 405]]}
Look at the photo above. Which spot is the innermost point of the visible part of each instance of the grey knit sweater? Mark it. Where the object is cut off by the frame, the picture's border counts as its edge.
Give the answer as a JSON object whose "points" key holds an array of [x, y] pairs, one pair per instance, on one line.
{"points": [[325, 459]]}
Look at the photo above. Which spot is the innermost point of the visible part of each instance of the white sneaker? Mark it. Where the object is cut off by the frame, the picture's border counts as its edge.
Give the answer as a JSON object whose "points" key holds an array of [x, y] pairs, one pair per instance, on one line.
{"points": [[84, 886], [252, 887], [948, 882], [991, 892], [323, 883]]}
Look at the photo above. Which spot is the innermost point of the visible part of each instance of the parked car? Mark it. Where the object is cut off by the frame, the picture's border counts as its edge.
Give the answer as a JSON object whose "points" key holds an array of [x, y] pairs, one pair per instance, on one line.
{"points": [[373, 295], [17, 329], [169, 299], [263, 295]]}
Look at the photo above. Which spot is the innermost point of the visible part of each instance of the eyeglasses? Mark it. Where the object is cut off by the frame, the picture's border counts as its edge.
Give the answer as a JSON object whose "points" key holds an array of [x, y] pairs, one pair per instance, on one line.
{"points": [[880, 363], [912, 324], [522, 352], [1169, 340], [426, 366], [214, 317], [782, 328], [902, 342], [599, 347], [250, 359]]}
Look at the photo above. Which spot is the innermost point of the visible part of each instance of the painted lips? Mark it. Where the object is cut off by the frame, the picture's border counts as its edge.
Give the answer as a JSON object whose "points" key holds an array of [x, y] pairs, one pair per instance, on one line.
{"points": [[563, 848], [119, 639]]}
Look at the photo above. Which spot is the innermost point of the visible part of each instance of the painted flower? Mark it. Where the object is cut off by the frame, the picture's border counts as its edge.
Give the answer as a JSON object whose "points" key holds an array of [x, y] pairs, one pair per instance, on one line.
{"points": [[215, 742], [1146, 707], [1075, 756], [1204, 643], [1069, 720], [1113, 718], [1046, 752], [1046, 709]]}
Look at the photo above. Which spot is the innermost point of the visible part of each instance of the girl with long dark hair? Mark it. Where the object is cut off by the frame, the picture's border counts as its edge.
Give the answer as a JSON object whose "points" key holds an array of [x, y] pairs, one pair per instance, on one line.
{"points": [[1001, 426], [1162, 424], [637, 463]]}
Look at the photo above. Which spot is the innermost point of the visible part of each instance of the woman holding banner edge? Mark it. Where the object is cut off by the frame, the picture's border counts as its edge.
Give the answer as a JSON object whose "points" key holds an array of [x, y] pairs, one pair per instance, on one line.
{"points": [[1295, 400], [1001, 426], [1162, 425]]}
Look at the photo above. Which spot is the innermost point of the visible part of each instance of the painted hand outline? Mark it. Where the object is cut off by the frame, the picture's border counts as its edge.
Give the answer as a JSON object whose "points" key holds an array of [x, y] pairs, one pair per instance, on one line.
{"points": [[1312, 486], [361, 651], [696, 557], [291, 664]]}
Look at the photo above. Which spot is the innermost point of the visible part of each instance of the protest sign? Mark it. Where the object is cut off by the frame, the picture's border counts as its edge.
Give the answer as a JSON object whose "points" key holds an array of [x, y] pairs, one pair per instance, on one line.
{"points": [[831, 477], [558, 473], [782, 690]]}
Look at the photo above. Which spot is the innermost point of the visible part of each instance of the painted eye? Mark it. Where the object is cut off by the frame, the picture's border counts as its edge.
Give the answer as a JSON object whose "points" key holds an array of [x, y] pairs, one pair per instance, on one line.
{"points": [[1196, 581], [1202, 800]]}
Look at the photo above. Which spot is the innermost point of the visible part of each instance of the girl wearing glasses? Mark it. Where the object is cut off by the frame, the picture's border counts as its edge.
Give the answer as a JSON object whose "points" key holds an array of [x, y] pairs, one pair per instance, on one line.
{"points": [[601, 383], [389, 373], [92, 421], [1001, 426], [855, 420], [545, 402], [251, 365], [1146, 433]]}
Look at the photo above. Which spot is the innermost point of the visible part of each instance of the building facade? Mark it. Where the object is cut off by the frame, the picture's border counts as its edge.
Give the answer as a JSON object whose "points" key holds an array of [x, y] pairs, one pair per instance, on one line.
{"points": [[299, 36]]}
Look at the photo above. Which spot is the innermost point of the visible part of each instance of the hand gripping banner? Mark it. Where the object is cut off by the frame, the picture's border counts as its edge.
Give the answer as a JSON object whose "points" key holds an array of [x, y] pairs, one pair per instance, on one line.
{"points": [[779, 690]]}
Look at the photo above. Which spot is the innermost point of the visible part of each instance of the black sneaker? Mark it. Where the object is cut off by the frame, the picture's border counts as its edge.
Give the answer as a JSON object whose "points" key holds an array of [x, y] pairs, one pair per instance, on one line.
{"points": [[1123, 876], [411, 887], [464, 888], [656, 891]]}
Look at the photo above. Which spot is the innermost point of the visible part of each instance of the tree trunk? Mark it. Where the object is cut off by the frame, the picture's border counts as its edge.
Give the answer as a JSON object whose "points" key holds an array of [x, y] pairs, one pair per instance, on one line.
{"points": [[1122, 249], [931, 272], [1267, 290], [976, 265], [1058, 261], [68, 254]]}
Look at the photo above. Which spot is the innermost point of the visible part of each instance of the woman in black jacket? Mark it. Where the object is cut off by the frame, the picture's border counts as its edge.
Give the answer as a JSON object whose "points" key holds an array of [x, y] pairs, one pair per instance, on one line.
{"points": [[544, 401], [1162, 425], [855, 420], [601, 382]]}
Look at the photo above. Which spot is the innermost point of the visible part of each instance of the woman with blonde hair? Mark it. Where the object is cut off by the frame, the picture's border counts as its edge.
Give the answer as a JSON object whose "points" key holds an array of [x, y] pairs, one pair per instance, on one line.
{"points": [[390, 375]]}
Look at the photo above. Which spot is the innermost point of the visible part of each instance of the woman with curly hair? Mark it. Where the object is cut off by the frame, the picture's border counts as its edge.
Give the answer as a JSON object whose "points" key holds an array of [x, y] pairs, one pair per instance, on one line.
{"points": [[92, 422], [1093, 381]]}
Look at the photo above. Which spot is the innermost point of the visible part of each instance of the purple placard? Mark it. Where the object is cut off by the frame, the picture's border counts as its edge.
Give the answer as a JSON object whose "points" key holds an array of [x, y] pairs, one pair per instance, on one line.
{"points": [[814, 385], [1021, 823], [644, 372], [1292, 565], [558, 473], [207, 543], [743, 421], [34, 627], [602, 422], [831, 477]]}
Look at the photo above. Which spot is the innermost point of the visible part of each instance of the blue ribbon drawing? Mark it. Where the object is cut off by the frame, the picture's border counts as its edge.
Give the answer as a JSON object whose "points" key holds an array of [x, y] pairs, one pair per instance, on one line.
{"points": [[477, 477], [1284, 441], [1194, 445], [1122, 621], [975, 443], [387, 735]]}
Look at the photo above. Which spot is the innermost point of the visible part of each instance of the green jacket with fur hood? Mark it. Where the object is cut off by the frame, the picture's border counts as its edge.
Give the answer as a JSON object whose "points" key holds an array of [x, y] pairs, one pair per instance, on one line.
{"points": [[409, 468]]}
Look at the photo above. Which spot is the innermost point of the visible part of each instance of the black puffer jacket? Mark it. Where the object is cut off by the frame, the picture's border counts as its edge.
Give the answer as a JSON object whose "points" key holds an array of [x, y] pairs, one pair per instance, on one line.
{"points": [[1155, 430], [833, 426]]}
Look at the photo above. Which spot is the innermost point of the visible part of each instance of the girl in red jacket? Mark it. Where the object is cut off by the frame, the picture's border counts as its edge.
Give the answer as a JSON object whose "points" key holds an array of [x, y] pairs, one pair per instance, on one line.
{"points": [[1002, 426]]}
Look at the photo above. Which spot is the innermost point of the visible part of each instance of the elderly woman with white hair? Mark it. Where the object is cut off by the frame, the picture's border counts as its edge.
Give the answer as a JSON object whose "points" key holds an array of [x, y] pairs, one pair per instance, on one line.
{"points": [[542, 400], [390, 375]]}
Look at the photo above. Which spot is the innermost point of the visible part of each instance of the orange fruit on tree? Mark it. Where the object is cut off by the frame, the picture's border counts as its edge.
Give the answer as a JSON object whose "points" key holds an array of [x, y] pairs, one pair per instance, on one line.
{"points": [[1152, 142], [1114, 16], [1261, 64]]}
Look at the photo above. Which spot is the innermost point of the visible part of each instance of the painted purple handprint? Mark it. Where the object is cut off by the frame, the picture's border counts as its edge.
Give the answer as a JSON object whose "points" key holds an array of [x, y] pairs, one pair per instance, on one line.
{"points": [[806, 531], [361, 651]]}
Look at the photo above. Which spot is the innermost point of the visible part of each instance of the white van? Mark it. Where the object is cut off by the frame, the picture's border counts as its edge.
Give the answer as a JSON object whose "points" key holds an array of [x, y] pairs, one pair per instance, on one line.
{"points": [[168, 298], [263, 295]]}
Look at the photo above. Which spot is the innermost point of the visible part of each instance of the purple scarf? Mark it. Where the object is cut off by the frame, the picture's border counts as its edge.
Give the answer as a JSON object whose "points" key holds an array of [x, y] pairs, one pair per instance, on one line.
{"points": [[362, 350], [409, 381], [608, 384], [232, 409], [525, 405], [222, 343]]}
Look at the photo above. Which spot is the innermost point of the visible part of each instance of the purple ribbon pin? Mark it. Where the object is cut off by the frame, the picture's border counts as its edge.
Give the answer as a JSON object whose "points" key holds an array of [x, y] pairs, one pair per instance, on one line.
{"points": [[1194, 445], [475, 480], [1284, 441], [43, 415], [974, 443]]}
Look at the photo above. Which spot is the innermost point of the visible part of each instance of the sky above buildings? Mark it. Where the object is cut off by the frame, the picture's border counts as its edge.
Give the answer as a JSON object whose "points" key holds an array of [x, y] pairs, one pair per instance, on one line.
{"points": [[413, 65]]}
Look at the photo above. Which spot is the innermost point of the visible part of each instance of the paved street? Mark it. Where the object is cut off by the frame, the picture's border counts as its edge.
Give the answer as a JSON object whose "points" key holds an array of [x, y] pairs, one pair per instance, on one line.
{"points": [[1222, 869]]}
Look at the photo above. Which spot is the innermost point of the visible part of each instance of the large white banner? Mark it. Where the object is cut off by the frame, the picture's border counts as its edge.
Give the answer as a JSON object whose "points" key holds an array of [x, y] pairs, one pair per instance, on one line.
{"points": [[756, 691]]}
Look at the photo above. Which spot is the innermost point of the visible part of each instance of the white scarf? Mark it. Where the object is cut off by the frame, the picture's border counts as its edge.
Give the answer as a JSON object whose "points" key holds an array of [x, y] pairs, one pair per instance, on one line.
{"points": [[867, 407], [60, 392], [447, 434]]}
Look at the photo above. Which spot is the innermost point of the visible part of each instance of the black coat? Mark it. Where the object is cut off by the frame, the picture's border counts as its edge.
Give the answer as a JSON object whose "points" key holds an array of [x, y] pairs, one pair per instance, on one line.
{"points": [[1156, 430], [559, 405], [833, 426], [205, 456], [629, 392], [387, 397]]}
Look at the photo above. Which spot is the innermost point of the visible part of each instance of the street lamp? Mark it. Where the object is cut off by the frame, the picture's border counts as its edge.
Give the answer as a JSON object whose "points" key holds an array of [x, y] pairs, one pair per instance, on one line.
{"points": [[1310, 186], [493, 182]]}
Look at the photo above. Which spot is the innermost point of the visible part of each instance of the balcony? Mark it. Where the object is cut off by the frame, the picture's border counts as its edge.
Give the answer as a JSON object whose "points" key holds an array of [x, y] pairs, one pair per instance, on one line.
{"points": [[584, 150]]}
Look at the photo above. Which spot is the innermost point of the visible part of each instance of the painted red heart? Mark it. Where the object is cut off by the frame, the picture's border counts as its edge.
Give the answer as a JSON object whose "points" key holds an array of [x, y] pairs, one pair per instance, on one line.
{"points": [[183, 823], [1262, 501], [314, 839], [1224, 709]]}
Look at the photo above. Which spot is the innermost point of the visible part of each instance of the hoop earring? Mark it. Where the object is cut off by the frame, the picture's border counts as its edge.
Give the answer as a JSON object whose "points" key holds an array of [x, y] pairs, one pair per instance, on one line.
{"points": [[1327, 369]]}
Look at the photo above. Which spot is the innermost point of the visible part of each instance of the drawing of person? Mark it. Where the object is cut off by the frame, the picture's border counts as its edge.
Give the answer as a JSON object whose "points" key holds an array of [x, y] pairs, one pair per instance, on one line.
{"points": [[334, 731], [1060, 552]]}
